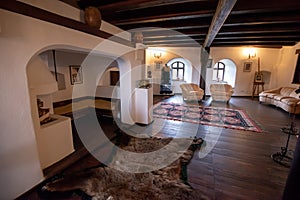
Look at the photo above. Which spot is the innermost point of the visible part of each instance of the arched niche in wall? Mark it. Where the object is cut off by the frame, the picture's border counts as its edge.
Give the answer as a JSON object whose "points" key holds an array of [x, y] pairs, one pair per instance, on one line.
{"points": [[46, 65], [109, 82], [111, 76], [181, 72], [266, 76], [188, 69]]}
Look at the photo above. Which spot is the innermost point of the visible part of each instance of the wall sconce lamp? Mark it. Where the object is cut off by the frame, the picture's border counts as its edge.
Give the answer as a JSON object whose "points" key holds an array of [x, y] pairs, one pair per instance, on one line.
{"points": [[250, 52], [252, 55], [157, 55]]}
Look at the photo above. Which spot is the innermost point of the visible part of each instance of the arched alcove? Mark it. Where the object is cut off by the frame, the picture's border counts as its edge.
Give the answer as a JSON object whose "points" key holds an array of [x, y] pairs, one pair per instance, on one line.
{"points": [[224, 71], [43, 71], [185, 73], [188, 68]]}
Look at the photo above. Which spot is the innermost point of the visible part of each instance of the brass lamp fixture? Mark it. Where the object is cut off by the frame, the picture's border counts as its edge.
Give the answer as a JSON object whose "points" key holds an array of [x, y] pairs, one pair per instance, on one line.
{"points": [[250, 52], [157, 55]]}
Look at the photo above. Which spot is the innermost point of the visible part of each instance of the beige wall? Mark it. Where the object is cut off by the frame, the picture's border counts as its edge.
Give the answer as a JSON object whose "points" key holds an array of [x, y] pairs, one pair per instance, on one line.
{"points": [[280, 62], [286, 66], [190, 54], [66, 58]]}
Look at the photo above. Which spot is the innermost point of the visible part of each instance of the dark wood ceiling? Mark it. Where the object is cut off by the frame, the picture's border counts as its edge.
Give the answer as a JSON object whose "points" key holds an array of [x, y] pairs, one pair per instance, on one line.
{"points": [[211, 23]]}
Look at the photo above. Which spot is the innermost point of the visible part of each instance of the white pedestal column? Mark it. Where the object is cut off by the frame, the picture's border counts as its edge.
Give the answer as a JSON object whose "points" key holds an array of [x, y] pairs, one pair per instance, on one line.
{"points": [[143, 105]]}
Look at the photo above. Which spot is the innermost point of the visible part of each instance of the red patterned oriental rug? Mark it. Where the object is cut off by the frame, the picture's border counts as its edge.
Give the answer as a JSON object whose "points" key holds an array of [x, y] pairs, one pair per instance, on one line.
{"points": [[212, 116]]}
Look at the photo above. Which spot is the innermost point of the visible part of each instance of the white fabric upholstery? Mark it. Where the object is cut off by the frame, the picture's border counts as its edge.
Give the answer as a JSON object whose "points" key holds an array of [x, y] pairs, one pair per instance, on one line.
{"points": [[221, 92], [191, 92], [283, 97]]}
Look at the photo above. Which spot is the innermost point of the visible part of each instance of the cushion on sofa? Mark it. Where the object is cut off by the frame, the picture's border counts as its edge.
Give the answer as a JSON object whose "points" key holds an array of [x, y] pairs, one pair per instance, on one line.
{"points": [[286, 91], [280, 97], [290, 101], [294, 94]]}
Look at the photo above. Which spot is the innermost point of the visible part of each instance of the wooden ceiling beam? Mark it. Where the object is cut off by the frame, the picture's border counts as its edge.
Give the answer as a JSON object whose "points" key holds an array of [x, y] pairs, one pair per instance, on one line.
{"points": [[119, 6], [259, 34], [175, 43], [204, 21], [164, 17], [242, 39], [264, 18], [173, 36], [262, 28], [255, 6], [137, 6], [275, 46], [160, 12], [223, 10], [173, 39], [286, 43], [249, 23], [222, 40], [165, 32]]}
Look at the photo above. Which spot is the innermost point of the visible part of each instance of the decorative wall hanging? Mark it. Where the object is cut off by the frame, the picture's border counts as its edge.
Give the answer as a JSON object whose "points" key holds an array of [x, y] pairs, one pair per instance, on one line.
{"points": [[247, 66]]}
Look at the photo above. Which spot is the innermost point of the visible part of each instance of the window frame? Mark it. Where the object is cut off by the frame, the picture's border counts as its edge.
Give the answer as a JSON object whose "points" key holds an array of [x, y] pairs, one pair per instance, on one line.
{"points": [[218, 69], [177, 68]]}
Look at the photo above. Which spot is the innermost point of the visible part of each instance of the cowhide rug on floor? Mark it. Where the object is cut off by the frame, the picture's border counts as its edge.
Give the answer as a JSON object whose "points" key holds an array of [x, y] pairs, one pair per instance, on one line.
{"points": [[105, 183]]}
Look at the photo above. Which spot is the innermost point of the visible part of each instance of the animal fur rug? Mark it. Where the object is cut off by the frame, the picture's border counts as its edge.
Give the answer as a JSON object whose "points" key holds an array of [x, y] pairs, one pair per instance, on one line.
{"points": [[105, 183]]}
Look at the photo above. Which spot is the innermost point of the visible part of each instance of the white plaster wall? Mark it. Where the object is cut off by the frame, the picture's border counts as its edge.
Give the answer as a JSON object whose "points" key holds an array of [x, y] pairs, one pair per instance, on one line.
{"points": [[286, 67], [63, 61], [97, 63], [269, 59], [21, 38], [190, 54], [105, 79]]}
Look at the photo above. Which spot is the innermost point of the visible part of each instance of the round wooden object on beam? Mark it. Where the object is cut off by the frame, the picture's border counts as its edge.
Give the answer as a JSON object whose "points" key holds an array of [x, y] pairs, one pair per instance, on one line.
{"points": [[92, 17]]}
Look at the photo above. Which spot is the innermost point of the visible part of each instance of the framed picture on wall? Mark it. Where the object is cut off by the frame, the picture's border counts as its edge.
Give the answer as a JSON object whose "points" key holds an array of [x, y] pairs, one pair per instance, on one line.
{"points": [[75, 74], [209, 63], [247, 66]]}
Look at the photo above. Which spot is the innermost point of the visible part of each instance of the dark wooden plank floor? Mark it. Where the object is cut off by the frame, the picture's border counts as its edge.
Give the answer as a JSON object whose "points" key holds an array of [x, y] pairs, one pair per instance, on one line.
{"points": [[238, 164]]}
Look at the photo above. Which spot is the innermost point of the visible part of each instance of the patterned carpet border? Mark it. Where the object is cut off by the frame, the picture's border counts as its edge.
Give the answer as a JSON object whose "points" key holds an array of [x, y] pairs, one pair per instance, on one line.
{"points": [[206, 115]]}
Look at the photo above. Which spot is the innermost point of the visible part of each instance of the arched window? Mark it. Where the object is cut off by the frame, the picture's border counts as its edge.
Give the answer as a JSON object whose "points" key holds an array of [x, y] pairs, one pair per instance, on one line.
{"points": [[219, 72], [178, 68], [224, 71]]}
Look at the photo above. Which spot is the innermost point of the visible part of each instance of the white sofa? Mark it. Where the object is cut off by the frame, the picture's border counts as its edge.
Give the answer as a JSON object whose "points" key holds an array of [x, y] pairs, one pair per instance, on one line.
{"points": [[283, 97]]}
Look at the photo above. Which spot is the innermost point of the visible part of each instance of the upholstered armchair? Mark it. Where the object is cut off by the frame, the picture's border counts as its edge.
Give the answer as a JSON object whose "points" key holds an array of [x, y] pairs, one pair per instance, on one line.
{"points": [[221, 92], [191, 92]]}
